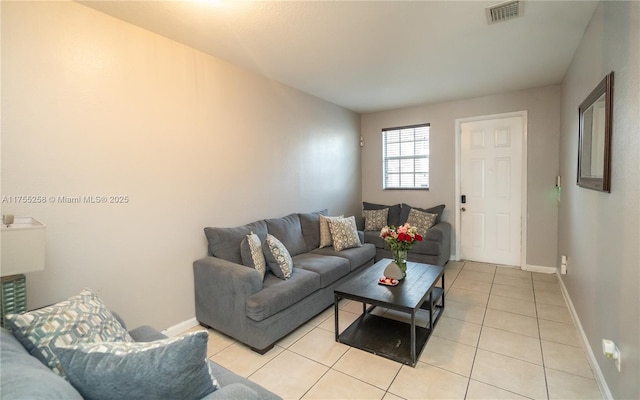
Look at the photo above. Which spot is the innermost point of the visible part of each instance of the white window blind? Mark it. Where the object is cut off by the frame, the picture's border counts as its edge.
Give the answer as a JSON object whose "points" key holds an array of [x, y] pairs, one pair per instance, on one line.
{"points": [[406, 157]]}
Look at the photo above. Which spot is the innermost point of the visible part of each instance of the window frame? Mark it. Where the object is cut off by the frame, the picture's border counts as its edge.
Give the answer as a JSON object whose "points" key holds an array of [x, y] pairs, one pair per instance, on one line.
{"points": [[386, 158]]}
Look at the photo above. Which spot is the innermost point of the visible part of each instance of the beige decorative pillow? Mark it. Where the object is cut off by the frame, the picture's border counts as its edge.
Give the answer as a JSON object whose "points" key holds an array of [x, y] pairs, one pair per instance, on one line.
{"points": [[421, 220], [252, 255], [325, 232], [344, 233], [375, 220]]}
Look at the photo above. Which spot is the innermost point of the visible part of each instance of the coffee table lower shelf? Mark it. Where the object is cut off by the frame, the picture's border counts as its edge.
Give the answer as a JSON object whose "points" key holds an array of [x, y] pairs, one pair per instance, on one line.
{"points": [[385, 337]]}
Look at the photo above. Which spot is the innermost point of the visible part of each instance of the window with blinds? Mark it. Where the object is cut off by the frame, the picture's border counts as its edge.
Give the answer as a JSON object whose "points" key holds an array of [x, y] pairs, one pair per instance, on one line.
{"points": [[406, 157]]}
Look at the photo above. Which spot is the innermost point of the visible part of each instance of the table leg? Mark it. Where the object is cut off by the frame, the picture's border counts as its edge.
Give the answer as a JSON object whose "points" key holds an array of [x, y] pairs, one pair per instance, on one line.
{"points": [[443, 290], [413, 338], [335, 312], [432, 309]]}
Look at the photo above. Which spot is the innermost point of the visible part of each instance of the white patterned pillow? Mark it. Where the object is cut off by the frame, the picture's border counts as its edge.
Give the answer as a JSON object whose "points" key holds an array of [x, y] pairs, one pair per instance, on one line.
{"points": [[421, 220], [80, 319], [325, 232], [278, 257], [140, 370], [252, 255], [375, 220], [344, 233]]}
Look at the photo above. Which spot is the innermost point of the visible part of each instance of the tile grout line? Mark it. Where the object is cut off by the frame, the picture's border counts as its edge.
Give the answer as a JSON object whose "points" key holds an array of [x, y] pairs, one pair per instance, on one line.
{"points": [[475, 354], [544, 368]]}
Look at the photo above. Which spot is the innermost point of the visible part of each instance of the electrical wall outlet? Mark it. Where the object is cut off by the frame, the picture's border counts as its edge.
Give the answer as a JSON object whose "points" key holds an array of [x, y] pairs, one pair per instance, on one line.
{"points": [[563, 265]]}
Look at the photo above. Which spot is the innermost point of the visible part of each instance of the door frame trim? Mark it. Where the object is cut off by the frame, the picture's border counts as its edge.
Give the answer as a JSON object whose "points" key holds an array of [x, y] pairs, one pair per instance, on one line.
{"points": [[523, 179]]}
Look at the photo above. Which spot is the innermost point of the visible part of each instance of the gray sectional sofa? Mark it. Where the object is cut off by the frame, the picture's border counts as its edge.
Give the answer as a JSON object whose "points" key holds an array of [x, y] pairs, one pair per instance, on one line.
{"points": [[434, 249], [236, 300]]}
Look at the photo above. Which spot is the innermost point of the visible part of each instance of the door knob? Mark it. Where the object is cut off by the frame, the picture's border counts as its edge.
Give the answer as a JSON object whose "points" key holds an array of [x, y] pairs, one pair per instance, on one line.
{"points": [[463, 209]]}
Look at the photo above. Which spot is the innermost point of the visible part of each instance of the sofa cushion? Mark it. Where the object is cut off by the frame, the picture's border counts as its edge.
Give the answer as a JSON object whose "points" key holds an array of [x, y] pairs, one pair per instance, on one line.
{"points": [[375, 220], [421, 220], [344, 233], [374, 238], [329, 268], [325, 231], [276, 294], [288, 231], [225, 242], [25, 377], [252, 255], [80, 319], [310, 224], [406, 209], [357, 256], [428, 247], [393, 217], [277, 257], [172, 368]]}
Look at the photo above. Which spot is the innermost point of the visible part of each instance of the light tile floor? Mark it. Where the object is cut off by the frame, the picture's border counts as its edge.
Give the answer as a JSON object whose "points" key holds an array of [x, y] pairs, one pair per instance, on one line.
{"points": [[504, 334]]}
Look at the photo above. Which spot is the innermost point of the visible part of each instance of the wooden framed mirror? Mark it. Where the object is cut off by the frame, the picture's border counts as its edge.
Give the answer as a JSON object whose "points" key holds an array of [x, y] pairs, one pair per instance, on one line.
{"points": [[594, 144]]}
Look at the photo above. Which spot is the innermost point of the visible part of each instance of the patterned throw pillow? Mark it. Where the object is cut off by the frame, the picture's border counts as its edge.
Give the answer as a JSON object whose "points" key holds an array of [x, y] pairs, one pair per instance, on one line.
{"points": [[80, 319], [325, 232], [173, 368], [278, 257], [375, 220], [421, 220], [344, 233], [252, 255]]}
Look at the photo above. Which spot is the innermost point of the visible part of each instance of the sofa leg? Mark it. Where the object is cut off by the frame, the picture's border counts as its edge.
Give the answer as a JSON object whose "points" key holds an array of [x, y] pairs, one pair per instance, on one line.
{"points": [[262, 351], [204, 325]]}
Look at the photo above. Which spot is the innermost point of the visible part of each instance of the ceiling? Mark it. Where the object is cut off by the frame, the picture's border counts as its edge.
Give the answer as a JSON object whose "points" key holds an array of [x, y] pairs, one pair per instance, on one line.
{"points": [[370, 56]]}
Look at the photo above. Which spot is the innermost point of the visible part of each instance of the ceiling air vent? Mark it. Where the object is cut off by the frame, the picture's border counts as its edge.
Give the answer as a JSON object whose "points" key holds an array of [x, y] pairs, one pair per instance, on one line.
{"points": [[504, 11]]}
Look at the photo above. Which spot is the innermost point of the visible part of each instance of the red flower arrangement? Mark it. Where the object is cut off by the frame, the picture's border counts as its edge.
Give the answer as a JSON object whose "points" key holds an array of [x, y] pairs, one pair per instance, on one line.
{"points": [[400, 238]]}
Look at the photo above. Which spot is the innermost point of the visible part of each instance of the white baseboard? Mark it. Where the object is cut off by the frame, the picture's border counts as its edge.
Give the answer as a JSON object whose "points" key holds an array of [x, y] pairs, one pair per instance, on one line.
{"points": [[595, 367], [177, 329], [540, 268]]}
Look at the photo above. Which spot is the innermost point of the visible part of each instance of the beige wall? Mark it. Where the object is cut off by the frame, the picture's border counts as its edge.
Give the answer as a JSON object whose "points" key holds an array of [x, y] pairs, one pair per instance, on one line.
{"points": [[542, 105], [94, 106], [599, 232]]}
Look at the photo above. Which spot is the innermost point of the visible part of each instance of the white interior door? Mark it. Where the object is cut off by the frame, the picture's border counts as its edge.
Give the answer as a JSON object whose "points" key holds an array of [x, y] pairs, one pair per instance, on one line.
{"points": [[490, 189]]}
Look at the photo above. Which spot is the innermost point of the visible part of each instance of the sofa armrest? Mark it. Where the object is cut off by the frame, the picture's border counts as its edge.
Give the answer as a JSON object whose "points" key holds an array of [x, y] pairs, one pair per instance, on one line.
{"points": [[221, 290], [439, 231]]}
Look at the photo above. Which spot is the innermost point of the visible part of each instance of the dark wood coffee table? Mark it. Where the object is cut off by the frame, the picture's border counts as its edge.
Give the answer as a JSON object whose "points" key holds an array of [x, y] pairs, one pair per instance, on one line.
{"points": [[390, 338]]}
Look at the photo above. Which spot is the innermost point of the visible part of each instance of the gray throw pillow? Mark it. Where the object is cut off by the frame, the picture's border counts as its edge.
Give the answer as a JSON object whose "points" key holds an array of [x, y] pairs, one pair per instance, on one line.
{"points": [[174, 368], [288, 231], [79, 319], [278, 257], [310, 224]]}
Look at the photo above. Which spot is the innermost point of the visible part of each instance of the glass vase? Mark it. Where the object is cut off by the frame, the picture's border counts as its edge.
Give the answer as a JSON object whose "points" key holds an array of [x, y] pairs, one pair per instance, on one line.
{"points": [[400, 258]]}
